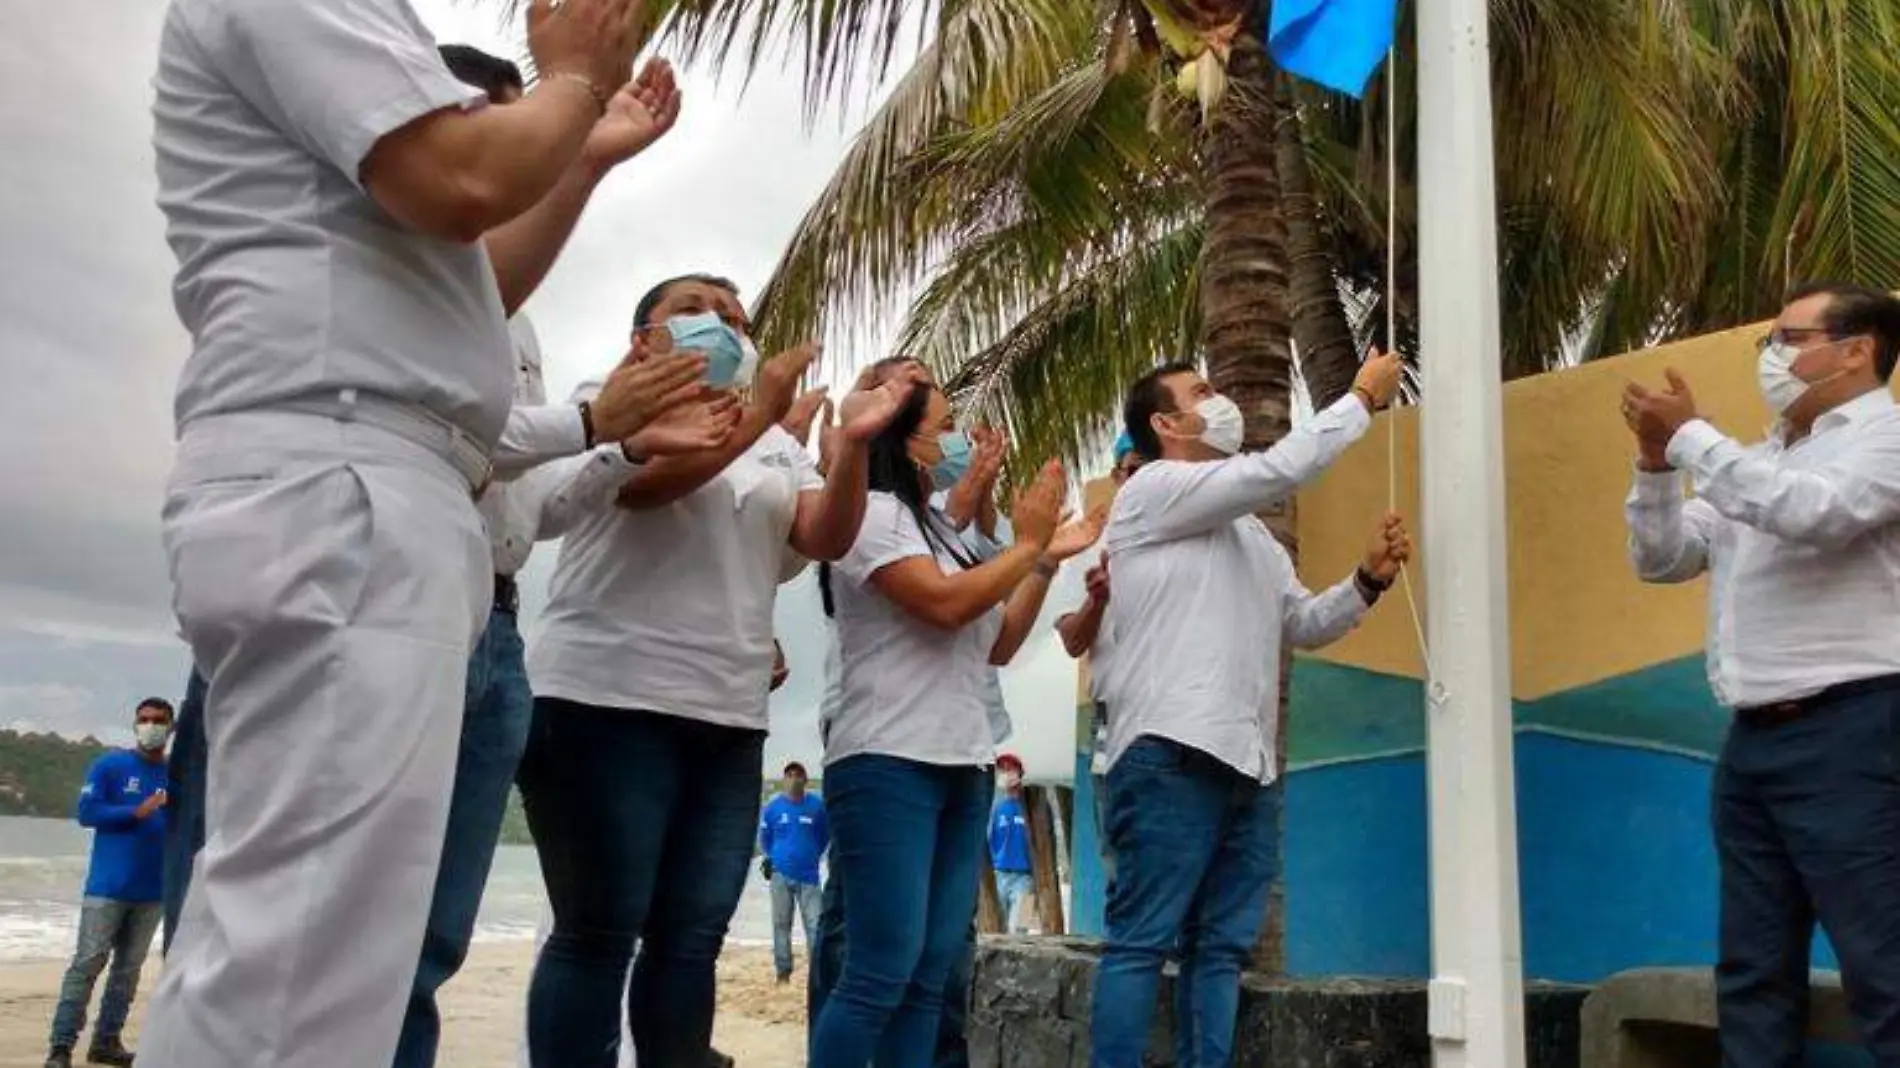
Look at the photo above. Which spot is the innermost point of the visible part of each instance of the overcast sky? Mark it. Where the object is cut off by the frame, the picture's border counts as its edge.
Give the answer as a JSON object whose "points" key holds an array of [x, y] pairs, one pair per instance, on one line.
{"points": [[91, 349]]}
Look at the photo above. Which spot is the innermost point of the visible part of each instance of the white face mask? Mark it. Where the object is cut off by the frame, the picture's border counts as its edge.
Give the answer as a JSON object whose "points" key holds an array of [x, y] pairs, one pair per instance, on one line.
{"points": [[152, 736], [1225, 427], [749, 366], [1774, 372]]}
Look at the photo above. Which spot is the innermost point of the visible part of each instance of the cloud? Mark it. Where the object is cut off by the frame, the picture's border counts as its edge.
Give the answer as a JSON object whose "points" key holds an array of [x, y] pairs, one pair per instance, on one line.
{"points": [[91, 347]]}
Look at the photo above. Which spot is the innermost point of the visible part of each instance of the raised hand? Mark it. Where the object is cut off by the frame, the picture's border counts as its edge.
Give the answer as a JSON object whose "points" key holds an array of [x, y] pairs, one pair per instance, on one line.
{"points": [[152, 803], [804, 413], [776, 387], [642, 389], [1655, 416], [696, 427], [642, 112], [1039, 506], [1377, 382], [591, 40], [869, 412], [1390, 548], [1078, 535], [1095, 580]]}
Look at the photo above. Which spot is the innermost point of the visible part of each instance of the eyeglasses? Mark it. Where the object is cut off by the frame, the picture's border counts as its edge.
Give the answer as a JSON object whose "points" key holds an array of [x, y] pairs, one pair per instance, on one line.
{"points": [[1794, 335]]}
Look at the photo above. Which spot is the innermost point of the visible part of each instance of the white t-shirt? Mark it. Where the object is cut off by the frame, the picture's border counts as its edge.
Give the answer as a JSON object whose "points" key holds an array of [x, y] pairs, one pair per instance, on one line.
{"points": [[906, 689], [669, 609], [1204, 595], [294, 284]]}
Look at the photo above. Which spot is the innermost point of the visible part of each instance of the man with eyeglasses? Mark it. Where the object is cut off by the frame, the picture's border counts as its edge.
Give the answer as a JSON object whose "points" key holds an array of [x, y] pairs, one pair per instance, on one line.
{"points": [[1801, 538]]}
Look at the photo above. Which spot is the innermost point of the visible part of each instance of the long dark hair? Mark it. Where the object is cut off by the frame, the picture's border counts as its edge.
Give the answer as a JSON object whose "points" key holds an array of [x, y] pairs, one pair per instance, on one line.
{"points": [[891, 470]]}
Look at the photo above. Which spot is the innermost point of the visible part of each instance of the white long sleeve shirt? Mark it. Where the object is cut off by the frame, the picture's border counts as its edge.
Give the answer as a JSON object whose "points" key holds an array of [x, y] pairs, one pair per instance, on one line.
{"points": [[1802, 545], [537, 432], [1205, 596]]}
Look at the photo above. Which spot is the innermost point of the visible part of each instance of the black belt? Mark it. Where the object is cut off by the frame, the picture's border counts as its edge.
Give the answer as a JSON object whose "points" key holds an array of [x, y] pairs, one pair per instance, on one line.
{"points": [[507, 595], [1788, 711]]}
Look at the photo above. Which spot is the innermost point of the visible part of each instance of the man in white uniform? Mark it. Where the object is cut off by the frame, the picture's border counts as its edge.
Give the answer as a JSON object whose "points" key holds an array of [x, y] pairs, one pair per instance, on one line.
{"points": [[353, 226], [1800, 537], [1205, 599]]}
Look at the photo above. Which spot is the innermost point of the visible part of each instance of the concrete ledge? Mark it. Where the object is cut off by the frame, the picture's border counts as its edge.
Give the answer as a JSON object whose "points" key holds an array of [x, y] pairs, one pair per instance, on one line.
{"points": [[1030, 1009], [1665, 1018]]}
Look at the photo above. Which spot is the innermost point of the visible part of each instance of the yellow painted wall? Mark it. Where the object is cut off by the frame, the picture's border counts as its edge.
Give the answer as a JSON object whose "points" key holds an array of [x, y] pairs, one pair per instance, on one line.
{"points": [[1578, 615]]}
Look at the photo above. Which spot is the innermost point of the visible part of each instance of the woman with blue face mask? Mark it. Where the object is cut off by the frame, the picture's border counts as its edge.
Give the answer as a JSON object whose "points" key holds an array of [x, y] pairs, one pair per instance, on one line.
{"points": [[909, 752], [651, 675]]}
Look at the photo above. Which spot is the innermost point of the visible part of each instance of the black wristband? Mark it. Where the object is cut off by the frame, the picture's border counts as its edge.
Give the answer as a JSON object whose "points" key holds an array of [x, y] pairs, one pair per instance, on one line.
{"points": [[1367, 584], [587, 424]]}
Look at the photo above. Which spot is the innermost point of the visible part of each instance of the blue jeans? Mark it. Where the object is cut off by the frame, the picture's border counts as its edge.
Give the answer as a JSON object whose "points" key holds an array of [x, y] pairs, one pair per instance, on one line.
{"points": [[809, 901], [1195, 846], [644, 824], [184, 801], [1807, 828], [912, 832], [498, 708], [120, 931], [1012, 889], [827, 964]]}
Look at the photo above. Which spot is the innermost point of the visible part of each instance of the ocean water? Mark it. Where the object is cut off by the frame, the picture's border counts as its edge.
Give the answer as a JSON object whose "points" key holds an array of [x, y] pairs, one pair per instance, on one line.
{"points": [[43, 868]]}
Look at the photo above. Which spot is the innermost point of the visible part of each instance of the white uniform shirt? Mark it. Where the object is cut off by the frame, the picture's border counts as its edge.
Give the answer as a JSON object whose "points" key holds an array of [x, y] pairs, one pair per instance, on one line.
{"points": [[537, 432], [995, 707], [1204, 596], [1803, 543], [906, 689], [669, 609], [293, 283]]}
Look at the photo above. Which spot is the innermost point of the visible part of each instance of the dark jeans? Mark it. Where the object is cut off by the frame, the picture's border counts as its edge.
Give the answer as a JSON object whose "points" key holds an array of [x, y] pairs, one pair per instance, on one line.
{"points": [[498, 708], [116, 931], [1195, 853], [827, 963], [1807, 826], [644, 824], [910, 832], [184, 801]]}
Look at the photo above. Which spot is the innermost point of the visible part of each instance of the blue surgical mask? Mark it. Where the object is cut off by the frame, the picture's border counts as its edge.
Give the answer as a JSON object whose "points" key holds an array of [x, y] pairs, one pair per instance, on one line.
{"points": [[707, 334], [949, 470]]}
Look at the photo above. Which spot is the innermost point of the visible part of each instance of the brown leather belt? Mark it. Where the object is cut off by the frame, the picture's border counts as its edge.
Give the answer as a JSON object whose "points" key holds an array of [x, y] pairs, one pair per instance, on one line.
{"points": [[1782, 712]]}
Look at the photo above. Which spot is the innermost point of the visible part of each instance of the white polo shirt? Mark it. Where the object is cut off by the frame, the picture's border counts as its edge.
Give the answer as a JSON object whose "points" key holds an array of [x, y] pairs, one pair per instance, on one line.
{"points": [[669, 609], [1204, 595], [537, 433], [906, 689], [293, 283]]}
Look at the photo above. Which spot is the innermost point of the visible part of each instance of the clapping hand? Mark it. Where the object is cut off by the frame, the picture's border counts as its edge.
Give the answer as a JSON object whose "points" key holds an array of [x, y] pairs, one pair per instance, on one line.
{"points": [[1655, 416], [1078, 535], [798, 422], [643, 111], [1039, 507], [1096, 580], [592, 40], [642, 388], [776, 387], [704, 424], [1389, 550], [867, 413]]}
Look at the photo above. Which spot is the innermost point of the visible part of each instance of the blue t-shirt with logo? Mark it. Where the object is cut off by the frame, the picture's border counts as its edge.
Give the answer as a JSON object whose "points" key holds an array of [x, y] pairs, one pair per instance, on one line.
{"points": [[794, 834], [128, 853], [1009, 837]]}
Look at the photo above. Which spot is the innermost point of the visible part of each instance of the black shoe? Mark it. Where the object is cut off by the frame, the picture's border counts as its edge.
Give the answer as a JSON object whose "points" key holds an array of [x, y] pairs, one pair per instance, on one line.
{"points": [[718, 1060], [110, 1053], [59, 1058]]}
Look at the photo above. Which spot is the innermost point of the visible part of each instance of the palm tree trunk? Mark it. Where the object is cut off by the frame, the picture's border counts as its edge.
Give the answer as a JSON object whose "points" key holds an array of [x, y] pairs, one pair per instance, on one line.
{"points": [[1329, 355], [1246, 331]]}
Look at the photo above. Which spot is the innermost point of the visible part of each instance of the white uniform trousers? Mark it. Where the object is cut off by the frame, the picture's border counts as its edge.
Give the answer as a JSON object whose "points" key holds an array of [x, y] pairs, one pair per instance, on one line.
{"points": [[331, 578]]}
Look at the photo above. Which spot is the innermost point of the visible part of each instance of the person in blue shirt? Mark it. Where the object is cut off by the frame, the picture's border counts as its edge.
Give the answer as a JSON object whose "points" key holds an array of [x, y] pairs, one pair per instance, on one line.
{"points": [[123, 802], [793, 836], [1009, 845]]}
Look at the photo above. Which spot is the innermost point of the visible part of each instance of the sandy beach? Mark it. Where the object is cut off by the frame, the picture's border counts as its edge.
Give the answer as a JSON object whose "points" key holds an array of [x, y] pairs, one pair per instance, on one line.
{"points": [[760, 1024]]}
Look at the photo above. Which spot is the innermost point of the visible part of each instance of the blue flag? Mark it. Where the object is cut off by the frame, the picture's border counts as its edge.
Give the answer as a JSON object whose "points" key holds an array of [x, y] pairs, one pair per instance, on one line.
{"points": [[1337, 43]]}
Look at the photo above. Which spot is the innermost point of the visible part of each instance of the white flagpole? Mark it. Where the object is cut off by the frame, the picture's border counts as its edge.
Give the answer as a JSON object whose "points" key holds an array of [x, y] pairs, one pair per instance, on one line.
{"points": [[1477, 989]]}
